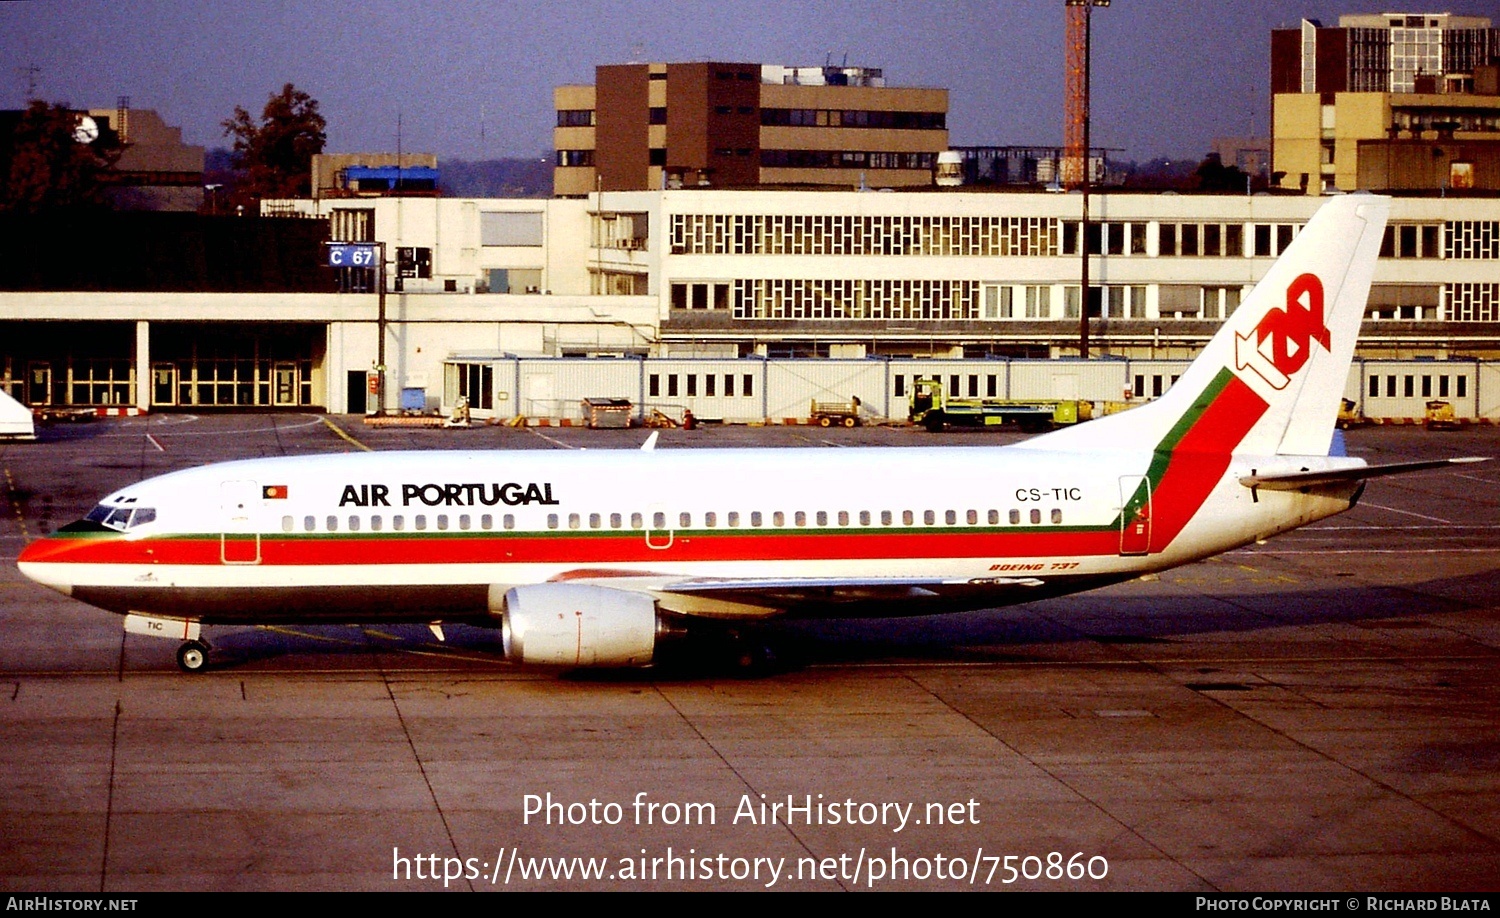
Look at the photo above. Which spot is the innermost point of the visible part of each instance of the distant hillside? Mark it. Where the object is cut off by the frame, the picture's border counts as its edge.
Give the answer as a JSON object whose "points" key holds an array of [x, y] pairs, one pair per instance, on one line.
{"points": [[496, 178]]}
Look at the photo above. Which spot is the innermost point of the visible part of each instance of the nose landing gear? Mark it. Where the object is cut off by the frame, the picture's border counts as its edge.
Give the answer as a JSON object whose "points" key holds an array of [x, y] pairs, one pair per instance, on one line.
{"points": [[192, 656]]}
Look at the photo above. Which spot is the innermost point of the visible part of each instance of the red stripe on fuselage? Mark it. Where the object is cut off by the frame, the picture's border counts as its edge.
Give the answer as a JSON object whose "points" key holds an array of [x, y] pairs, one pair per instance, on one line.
{"points": [[1201, 457], [780, 545]]}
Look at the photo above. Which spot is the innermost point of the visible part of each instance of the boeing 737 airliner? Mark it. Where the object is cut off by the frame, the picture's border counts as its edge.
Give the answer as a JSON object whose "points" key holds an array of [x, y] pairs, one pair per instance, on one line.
{"points": [[594, 558]]}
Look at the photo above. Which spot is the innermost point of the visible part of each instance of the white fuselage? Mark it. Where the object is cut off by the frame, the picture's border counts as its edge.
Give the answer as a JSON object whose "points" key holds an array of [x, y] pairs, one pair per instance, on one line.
{"points": [[385, 534]]}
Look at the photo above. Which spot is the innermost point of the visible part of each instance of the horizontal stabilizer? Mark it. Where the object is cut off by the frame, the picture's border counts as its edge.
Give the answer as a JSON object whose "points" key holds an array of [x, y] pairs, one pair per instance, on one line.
{"points": [[1294, 481]]}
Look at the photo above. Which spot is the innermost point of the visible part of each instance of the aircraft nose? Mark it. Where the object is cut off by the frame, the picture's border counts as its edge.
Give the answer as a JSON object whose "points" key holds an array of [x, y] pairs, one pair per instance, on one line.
{"points": [[39, 561]]}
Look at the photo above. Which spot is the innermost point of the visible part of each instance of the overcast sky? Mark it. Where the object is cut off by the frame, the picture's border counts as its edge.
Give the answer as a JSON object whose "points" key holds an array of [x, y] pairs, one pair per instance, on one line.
{"points": [[473, 80]]}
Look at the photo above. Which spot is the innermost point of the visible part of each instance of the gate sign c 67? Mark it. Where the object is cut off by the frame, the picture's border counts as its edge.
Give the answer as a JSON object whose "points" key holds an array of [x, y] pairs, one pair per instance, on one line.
{"points": [[351, 255]]}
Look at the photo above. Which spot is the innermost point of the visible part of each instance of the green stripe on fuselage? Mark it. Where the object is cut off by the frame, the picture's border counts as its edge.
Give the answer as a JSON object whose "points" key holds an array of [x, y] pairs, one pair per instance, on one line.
{"points": [[1161, 456]]}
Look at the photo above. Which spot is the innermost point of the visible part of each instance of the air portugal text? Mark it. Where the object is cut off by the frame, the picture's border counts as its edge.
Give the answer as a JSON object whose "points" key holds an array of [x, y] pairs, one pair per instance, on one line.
{"points": [[471, 494]]}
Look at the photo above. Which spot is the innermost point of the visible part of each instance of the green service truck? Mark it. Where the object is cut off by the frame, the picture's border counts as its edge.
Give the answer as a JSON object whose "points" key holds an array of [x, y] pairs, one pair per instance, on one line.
{"points": [[932, 408]]}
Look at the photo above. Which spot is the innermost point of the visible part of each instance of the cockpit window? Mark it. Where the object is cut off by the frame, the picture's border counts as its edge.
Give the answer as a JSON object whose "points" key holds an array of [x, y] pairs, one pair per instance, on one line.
{"points": [[121, 518]]}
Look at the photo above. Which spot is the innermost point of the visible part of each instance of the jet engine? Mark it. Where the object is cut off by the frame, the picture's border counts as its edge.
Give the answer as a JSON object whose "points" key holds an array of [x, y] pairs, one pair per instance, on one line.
{"points": [[571, 624]]}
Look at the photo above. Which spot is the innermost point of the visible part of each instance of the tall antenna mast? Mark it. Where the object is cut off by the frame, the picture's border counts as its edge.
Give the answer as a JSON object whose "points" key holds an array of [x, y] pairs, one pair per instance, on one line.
{"points": [[30, 72]]}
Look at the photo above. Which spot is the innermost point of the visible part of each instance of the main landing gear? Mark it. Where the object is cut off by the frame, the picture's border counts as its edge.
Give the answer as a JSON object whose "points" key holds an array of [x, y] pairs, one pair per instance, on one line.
{"points": [[192, 656]]}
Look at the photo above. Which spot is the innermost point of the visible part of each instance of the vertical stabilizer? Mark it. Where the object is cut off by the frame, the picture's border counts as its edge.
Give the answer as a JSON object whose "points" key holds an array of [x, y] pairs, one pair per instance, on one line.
{"points": [[1271, 379]]}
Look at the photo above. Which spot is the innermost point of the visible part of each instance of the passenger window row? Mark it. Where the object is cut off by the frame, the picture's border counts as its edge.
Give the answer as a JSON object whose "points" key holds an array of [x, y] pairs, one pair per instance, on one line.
{"points": [[733, 519], [798, 519], [398, 523]]}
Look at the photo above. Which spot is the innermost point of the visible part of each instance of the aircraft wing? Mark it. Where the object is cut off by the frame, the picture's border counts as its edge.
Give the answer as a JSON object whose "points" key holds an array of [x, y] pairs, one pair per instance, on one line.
{"points": [[1293, 481]]}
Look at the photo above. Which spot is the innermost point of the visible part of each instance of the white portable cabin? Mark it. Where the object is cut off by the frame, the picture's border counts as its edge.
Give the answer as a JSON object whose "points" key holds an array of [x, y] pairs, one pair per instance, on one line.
{"points": [[16, 422]]}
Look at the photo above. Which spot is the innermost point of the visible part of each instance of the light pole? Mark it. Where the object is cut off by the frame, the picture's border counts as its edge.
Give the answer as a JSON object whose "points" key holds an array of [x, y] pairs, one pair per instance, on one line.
{"points": [[1079, 38]]}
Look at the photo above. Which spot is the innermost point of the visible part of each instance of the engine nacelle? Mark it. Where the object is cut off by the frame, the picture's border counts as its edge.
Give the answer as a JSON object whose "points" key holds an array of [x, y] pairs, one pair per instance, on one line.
{"points": [[574, 624]]}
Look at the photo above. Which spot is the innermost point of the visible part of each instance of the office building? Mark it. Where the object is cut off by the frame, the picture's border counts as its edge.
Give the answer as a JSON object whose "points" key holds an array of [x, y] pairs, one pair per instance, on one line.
{"points": [[740, 125], [1394, 101]]}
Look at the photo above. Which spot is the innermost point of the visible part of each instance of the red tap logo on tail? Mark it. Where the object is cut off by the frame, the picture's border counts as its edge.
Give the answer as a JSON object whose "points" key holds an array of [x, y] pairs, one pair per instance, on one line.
{"points": [[1282, 342]]}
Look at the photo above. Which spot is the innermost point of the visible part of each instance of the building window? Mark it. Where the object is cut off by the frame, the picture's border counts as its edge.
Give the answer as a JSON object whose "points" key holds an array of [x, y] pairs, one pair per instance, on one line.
{"points": [[1471, 239], [839, 299], [1038, 302], [884, 120], [413, 261], [1166, 239], [1409, 240], [845, 159], [1472, 302], [472, 381], [825, 234]]}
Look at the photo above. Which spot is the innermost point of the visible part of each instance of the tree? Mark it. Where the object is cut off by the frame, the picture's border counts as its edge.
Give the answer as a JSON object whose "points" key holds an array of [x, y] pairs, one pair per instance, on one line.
{"points": [[1213, 175], [276, 153], [54, 164]]}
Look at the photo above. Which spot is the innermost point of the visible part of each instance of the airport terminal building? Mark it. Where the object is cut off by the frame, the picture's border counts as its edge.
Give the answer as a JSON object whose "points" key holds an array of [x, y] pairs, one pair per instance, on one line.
{"points": [[969, 281]]}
